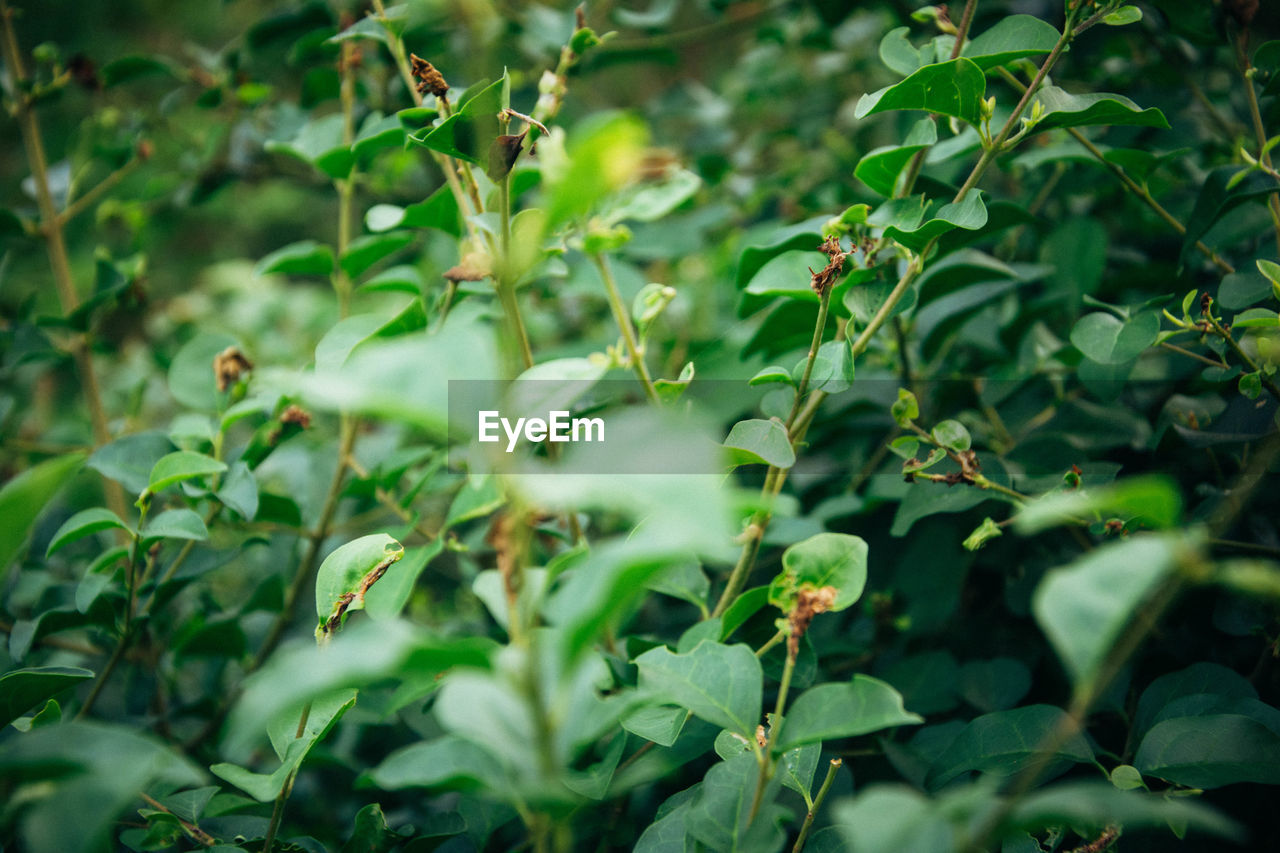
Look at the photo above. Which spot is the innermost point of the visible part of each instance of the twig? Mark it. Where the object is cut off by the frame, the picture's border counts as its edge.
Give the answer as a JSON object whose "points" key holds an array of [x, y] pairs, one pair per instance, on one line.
{"points": [[196, 834], [623, 319], [817, 804]]}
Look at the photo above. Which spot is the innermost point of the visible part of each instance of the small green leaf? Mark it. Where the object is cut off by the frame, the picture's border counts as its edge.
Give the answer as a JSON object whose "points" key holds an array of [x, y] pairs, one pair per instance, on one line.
{"points": [[983, 534], [827, 559], [905, 409], [1107, 339], [1123, 16], [1126, 777], [952, 88], [182, 465], [718, 683], [1251, 385], [175, 524], [343, 570], [23, 689], [831, 711], [771, 375], [970, 214], [306, 257], [468, 133], [84, 523], [760, 441], [952, 435]]}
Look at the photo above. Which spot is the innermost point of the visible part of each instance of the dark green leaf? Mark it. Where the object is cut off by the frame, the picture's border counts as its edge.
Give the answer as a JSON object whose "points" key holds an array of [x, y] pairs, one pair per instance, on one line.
{"points": [[182, 465], [828, 559], [306, 257], [1014, 37], [831, 711], [952, 88], [84, 523], [1007, 742], [719, 683], [760, 441], [175, 524], [23, 689], [23, 497]]}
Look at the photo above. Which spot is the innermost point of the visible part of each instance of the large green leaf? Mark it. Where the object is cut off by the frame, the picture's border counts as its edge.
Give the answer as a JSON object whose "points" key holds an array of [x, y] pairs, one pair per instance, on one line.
{"points": [[952, 88], [23, 689], [1006, 742], [1211, 751], [1062, 109], [969, 214], [1107, 339], [1096, 805], [82, 524], [23, 497], [182, 465], [831, 711], [1083, 607], [468, 133], [448, 762], [1014, 37], [719, 683], [720, 816], [828, 559]]}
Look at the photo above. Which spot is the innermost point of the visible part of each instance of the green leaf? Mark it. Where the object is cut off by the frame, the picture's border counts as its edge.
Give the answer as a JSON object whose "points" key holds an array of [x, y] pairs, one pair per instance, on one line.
{"points": [[366, 251], [1211, 751], [952, 435], [880, 168], [1123, 16], [1256, 318], [658, 723], [652, 200], [1083, 607], [377, 133], [175, 524], [1062, 109], [1014, 37], [84, 523], [264, 787], [905, 409], [1095, 805], [319, 144], [129, 68], [952, 88], [306, 257], [23, 689], [1107, 339], [718, 683], [982, 534], [720, 816], [1005, 743], [604, 156], [446, 763], [477, 498], [827, 559], [1154, 500], [191, 378], [771, 375], [371, 833], [831, 711], [897, 52], [182, 465], [788, 274], [832, 368], [388, 597], [1217, 197], [343, 570], [239, 491], [969, 214], [468, 133], [23, 497], [760, 441]]}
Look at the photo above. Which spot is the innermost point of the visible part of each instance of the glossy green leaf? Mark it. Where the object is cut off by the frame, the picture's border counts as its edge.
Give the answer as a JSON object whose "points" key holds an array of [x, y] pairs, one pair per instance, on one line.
{"points": [[827, 559], [23, 689], [969, 214], [468, 133], [759, 441], [343, 570], [879, 169], [952, 435], [772, 375], [1123, 16], [23, 497], [1013, 37], [182, 465], [84, 523], [831, 711], [1005, 743], [1107, 339], [1083, 607], [952, 88], [439, 210], [718, 683], [1062, 109], [175, 524]]}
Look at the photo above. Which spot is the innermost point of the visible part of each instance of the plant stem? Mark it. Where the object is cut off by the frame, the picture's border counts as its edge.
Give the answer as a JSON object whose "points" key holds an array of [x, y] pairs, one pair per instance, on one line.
{"points": [[52, 229], [962, 32], [817, 804], [1260, 132], [772, 641], [623, 319], [1231, 342], [79, 205], [277, 811], [824, 301], [505, 282], [1189, 354]]}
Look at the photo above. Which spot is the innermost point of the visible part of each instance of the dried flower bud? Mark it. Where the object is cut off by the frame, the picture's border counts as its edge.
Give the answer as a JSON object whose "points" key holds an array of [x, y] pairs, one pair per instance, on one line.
{"points": [[228, 366], [85, 72], [144, 149], [296, 415], [431, 80], [823, 280], [809, 603]]}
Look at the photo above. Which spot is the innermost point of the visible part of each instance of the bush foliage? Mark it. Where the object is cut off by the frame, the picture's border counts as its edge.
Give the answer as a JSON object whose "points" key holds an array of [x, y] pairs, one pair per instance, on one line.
{"points": [[934, 351]]}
